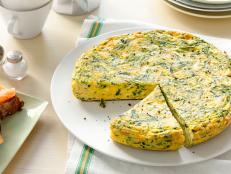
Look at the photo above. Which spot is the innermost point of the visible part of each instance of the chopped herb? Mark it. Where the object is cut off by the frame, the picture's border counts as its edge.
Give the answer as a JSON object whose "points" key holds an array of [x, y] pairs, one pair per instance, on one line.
{"points": [[117, 92], [102, 85], [102, 103]]}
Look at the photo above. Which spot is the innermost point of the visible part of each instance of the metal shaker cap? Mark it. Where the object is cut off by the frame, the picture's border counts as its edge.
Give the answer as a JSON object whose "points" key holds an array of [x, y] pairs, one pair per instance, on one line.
{"points": [[14, 56]]}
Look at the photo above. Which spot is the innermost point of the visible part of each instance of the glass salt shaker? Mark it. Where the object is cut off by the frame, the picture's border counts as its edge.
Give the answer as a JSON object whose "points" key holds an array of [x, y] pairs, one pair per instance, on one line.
{"points": [[15, 66]]}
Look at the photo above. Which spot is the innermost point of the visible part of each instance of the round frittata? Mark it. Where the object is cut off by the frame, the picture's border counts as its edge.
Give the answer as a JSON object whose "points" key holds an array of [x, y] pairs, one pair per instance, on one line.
{"points": [[184, 82]]}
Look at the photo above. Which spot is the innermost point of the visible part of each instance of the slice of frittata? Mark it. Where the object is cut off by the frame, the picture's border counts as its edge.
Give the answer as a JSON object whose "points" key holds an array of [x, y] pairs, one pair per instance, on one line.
{"points": [[148, 125]]}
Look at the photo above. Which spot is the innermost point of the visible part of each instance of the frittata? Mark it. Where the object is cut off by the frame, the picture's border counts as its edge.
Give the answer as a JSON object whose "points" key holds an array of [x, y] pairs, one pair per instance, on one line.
{"points": [[194, 77]]}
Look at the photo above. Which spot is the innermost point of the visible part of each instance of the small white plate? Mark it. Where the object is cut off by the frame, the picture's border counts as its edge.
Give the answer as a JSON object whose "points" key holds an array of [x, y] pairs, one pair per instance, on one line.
{"points": [[90, 123], [18, 126], [213, 1]]}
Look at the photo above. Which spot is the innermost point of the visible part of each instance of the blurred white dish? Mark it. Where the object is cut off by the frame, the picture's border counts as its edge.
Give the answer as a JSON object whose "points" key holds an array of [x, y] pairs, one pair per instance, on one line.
{"points": [[25, 24], [214, 1], [198, 13], [75, 7], [202, 7], [23, 5], [16, 128]]}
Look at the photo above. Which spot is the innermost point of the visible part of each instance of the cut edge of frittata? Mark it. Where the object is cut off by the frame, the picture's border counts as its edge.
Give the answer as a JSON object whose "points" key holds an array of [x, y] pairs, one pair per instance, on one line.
{"points": [[181, 121], [131, 129], [209, 129]]}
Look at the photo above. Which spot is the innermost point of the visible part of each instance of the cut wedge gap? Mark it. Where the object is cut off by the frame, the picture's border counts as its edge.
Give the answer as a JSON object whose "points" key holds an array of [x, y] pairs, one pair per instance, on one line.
{"points": [[188, 138]]}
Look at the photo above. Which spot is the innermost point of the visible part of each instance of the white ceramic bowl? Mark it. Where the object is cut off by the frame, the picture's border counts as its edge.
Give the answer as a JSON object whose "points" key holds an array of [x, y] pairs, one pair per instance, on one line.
{"points": [[25, 24], [23, 5]]}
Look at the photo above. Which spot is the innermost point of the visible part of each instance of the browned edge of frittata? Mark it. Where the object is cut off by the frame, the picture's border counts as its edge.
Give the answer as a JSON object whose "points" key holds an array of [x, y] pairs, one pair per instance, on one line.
{"points": [[209, 130], [179, 142]]}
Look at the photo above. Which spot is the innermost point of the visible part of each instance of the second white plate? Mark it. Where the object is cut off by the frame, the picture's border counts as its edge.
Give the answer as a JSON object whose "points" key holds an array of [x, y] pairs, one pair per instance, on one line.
{"points": [[90, 123], [213, 1], [198, 13]]}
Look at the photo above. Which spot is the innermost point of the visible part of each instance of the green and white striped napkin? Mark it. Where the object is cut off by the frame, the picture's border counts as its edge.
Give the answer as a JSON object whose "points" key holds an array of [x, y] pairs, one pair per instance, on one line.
{"points": [[84, 160]]}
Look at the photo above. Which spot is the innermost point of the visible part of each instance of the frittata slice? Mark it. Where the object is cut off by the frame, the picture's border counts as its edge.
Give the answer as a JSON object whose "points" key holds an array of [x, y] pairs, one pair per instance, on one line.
{"points": [[148, 125], [201, 105]]}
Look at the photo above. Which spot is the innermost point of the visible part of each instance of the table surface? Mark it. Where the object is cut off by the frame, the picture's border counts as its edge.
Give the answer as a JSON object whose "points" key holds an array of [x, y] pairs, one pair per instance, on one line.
{"points": [[45, 150]]}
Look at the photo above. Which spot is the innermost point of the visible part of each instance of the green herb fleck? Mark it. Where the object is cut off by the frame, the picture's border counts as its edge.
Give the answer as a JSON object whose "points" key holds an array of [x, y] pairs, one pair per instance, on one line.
{"points": [[117, 92], [102, 103]]}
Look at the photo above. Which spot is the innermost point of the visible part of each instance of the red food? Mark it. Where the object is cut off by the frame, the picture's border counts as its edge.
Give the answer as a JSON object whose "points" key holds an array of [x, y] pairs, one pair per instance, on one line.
{"points": [[10, 107]]}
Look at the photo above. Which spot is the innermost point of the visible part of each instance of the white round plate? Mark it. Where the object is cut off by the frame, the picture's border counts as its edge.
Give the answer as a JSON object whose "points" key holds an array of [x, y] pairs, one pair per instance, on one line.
{"points": [[197, 13], [213, 1], [90, 123]]}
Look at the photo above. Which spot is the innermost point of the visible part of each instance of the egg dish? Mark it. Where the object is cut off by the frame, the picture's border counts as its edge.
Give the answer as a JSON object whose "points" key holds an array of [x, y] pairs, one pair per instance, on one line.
{"points": [[183, 80]]}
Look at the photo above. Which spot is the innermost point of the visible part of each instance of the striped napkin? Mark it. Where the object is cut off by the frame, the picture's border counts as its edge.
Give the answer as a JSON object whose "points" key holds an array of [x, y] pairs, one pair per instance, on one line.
{"points": [[84, 160]]}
